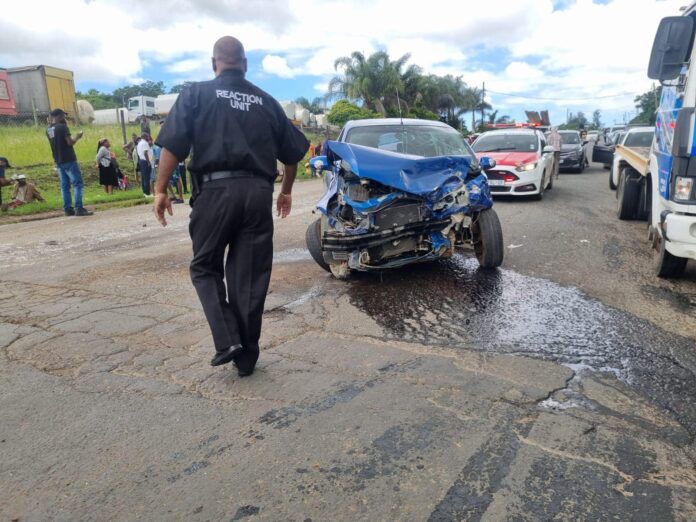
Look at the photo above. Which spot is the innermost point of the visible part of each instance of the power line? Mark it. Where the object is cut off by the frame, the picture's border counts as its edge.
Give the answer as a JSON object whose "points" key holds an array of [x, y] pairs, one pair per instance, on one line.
{"points": [[561, 99]]}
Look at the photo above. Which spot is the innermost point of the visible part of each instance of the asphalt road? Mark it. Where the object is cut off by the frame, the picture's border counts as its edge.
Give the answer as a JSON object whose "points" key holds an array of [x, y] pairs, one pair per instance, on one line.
{"points": [[561, 386]]}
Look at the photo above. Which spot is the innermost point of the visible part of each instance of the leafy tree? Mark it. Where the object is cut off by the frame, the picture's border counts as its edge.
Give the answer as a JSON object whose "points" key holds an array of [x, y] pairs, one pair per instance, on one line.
{"points": [[148, 88], [647, 104], [422, 113], [180, 87], [575, 121], [597, 119], [343, 111], [303, 102], [98, 100]]}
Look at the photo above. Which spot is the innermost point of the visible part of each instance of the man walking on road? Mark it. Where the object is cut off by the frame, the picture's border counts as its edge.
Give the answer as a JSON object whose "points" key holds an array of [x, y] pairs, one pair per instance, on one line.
{"points": [[555, 141], [62, 147], [236, 132]]}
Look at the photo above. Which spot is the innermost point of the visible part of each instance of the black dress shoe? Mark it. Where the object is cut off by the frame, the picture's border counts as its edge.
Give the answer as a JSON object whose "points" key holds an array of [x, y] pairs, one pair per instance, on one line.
{"points": [[244, 373], [226, 356]]}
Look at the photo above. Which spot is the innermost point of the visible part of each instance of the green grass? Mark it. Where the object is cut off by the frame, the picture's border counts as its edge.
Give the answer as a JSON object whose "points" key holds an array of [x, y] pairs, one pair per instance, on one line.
{"points": [[29, 153]]}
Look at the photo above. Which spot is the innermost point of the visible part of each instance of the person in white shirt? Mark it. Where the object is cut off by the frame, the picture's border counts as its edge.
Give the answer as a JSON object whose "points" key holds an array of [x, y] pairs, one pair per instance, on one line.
{"points": [[145, 163]]}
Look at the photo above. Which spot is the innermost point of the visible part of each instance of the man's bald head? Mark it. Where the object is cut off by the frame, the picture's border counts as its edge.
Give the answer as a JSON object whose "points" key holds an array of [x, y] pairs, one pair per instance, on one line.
{"points": [[228, 53]]}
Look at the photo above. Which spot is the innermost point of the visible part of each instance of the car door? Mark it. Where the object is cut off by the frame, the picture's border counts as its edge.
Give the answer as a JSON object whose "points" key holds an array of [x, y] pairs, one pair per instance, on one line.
{"points": [[603, 153]]}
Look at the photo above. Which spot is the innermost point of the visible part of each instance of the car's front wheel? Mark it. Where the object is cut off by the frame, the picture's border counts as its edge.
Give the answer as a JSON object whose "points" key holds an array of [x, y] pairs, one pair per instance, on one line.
{"points": [[313, 240], [487, 239]]}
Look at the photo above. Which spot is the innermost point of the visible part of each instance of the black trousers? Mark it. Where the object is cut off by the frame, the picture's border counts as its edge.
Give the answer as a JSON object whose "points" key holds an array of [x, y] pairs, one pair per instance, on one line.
{"points": [[233, 215]]}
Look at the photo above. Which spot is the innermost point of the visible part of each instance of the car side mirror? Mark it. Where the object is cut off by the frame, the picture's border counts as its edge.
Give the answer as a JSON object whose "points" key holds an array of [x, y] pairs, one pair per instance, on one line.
{"points": [[319, 163], [548, 149], [487, 163]]}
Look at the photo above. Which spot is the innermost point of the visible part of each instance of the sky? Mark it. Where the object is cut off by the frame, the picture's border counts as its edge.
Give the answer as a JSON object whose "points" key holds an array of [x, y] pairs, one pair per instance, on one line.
{"points": [[560, 55]]}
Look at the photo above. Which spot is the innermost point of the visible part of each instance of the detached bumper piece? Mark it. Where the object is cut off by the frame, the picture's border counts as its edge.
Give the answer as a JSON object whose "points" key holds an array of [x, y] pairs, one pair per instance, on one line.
{"points": [[338, 242]]}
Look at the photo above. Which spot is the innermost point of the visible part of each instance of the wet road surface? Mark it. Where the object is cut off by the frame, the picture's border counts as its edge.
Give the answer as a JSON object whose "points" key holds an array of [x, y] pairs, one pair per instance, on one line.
{"points": [[559, 387]]}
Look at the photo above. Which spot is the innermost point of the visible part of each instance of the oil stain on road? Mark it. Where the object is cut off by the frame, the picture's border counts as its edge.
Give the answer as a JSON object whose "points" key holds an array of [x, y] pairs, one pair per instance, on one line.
{"points": [[456, 304]]}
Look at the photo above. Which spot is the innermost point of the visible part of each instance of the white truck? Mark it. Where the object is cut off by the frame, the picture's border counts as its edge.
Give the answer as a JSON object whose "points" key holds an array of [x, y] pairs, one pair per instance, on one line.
{"points": [[155, 108], [660, 183]]}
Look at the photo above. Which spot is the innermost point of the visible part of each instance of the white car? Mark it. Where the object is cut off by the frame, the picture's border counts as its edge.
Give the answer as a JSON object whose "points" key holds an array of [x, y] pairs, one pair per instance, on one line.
{"points": [[640, 137], [524, 163]]}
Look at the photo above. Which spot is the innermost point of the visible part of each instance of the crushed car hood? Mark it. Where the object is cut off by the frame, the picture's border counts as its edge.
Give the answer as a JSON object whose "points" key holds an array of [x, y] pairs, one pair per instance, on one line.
{"points": [[427, 178]]}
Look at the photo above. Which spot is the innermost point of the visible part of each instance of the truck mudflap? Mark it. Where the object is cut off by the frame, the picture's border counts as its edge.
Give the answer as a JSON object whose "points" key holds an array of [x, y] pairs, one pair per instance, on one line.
{"points": [[679, 231]]}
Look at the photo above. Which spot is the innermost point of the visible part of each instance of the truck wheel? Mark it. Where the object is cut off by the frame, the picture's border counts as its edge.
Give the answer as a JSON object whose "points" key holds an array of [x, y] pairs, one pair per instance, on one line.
{"points": [[612, 185], [666, 265], [313, 240], [487, 239], [628, 195]]}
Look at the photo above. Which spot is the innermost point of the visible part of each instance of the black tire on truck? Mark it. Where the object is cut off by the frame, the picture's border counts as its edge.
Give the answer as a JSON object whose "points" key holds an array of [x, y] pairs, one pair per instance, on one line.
{"points": [[627, 195], [487, 239], [313, 240], [667, 265]]}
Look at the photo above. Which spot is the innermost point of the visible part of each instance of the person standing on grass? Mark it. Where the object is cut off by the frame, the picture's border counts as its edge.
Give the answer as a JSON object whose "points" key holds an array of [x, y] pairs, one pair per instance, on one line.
{"points": [[145, 163], [4, 164], [145, 126], [107, 166], [156, 151], [62, 147]]}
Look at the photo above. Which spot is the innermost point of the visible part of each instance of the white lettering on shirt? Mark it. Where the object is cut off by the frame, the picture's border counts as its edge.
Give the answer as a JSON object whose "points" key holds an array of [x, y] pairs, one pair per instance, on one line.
{"points": [[239, 100]]}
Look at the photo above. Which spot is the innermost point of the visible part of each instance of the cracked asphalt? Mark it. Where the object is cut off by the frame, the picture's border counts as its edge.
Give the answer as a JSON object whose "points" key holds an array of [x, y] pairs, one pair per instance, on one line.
{"points": [[560, 387]]}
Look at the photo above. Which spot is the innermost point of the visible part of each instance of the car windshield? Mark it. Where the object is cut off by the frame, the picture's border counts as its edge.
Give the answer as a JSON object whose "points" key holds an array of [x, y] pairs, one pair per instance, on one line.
{"points": [[498, 142], [570, 138], [420, 140], [639, 139]]}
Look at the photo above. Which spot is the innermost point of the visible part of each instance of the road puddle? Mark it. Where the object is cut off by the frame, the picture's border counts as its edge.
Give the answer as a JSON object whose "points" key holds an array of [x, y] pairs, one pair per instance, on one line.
{"points": [[454, 303]]}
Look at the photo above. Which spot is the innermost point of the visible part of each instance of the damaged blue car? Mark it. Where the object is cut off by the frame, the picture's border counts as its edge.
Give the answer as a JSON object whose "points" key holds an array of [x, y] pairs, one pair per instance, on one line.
{"points": [[401, 192]]}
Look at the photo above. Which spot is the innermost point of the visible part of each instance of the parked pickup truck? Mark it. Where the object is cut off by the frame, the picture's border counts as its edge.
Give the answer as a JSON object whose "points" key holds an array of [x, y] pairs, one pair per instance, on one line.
{"points": [[638, 140], [659, 183]]}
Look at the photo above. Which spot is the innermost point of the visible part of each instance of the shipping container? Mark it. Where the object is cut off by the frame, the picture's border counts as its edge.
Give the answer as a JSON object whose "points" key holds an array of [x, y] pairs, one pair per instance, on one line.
{"points": [[41, 89]]}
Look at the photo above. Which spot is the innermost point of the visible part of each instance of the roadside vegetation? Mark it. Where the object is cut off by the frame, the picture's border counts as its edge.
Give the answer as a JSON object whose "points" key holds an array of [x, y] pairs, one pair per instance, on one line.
{"points": [[29, 153]]}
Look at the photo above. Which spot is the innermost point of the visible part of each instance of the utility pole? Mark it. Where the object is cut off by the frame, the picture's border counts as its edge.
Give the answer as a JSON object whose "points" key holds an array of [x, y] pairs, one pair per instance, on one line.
{"points": [[483, 102]]}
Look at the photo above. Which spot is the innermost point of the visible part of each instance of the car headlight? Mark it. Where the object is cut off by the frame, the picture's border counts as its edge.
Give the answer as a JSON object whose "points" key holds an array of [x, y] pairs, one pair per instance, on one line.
{"points": [[526, 167], [682, 188]]}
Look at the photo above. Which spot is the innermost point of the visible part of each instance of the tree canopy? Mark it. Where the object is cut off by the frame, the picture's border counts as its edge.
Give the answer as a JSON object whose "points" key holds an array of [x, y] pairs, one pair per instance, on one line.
{"points": [[647, 104]]}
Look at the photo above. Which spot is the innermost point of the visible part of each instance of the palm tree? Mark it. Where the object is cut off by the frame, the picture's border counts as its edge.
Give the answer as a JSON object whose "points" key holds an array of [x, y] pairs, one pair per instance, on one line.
{"points": [[373, 80]]}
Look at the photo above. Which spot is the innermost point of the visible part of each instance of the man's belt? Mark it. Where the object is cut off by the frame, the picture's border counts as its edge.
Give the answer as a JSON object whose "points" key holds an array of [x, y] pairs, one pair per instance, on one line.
{"points": [[225, 174]]}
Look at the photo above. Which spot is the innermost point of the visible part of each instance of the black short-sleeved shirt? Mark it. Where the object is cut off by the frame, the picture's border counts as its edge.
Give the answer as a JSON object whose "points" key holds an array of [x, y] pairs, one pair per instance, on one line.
{"points": [[57, 137], [230, 124]]}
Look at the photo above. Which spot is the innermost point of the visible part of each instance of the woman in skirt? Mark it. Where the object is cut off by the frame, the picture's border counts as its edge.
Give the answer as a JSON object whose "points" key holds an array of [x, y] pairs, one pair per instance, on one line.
{"points": [[106, 162]]}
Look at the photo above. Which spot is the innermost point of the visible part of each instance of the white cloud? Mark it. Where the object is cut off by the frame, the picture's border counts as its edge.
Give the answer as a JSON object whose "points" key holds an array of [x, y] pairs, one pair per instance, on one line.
{"points": [[585, 50], [278, 65]]}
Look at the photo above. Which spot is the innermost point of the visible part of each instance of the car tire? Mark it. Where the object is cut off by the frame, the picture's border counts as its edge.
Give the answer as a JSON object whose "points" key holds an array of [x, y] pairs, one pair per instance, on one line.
{"points": [[627, 195], [667, 266], [487, 239], [612, 185], [313, 240], [540, 195]]}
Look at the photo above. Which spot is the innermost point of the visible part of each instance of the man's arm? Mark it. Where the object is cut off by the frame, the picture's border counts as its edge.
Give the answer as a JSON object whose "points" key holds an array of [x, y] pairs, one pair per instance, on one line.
{"points": [[284, 202], [168, 163], [70, 140]]}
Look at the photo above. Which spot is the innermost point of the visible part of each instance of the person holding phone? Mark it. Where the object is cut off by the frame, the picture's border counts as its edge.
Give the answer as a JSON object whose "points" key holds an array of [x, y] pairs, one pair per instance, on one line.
{"points": [[62, 147]]}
